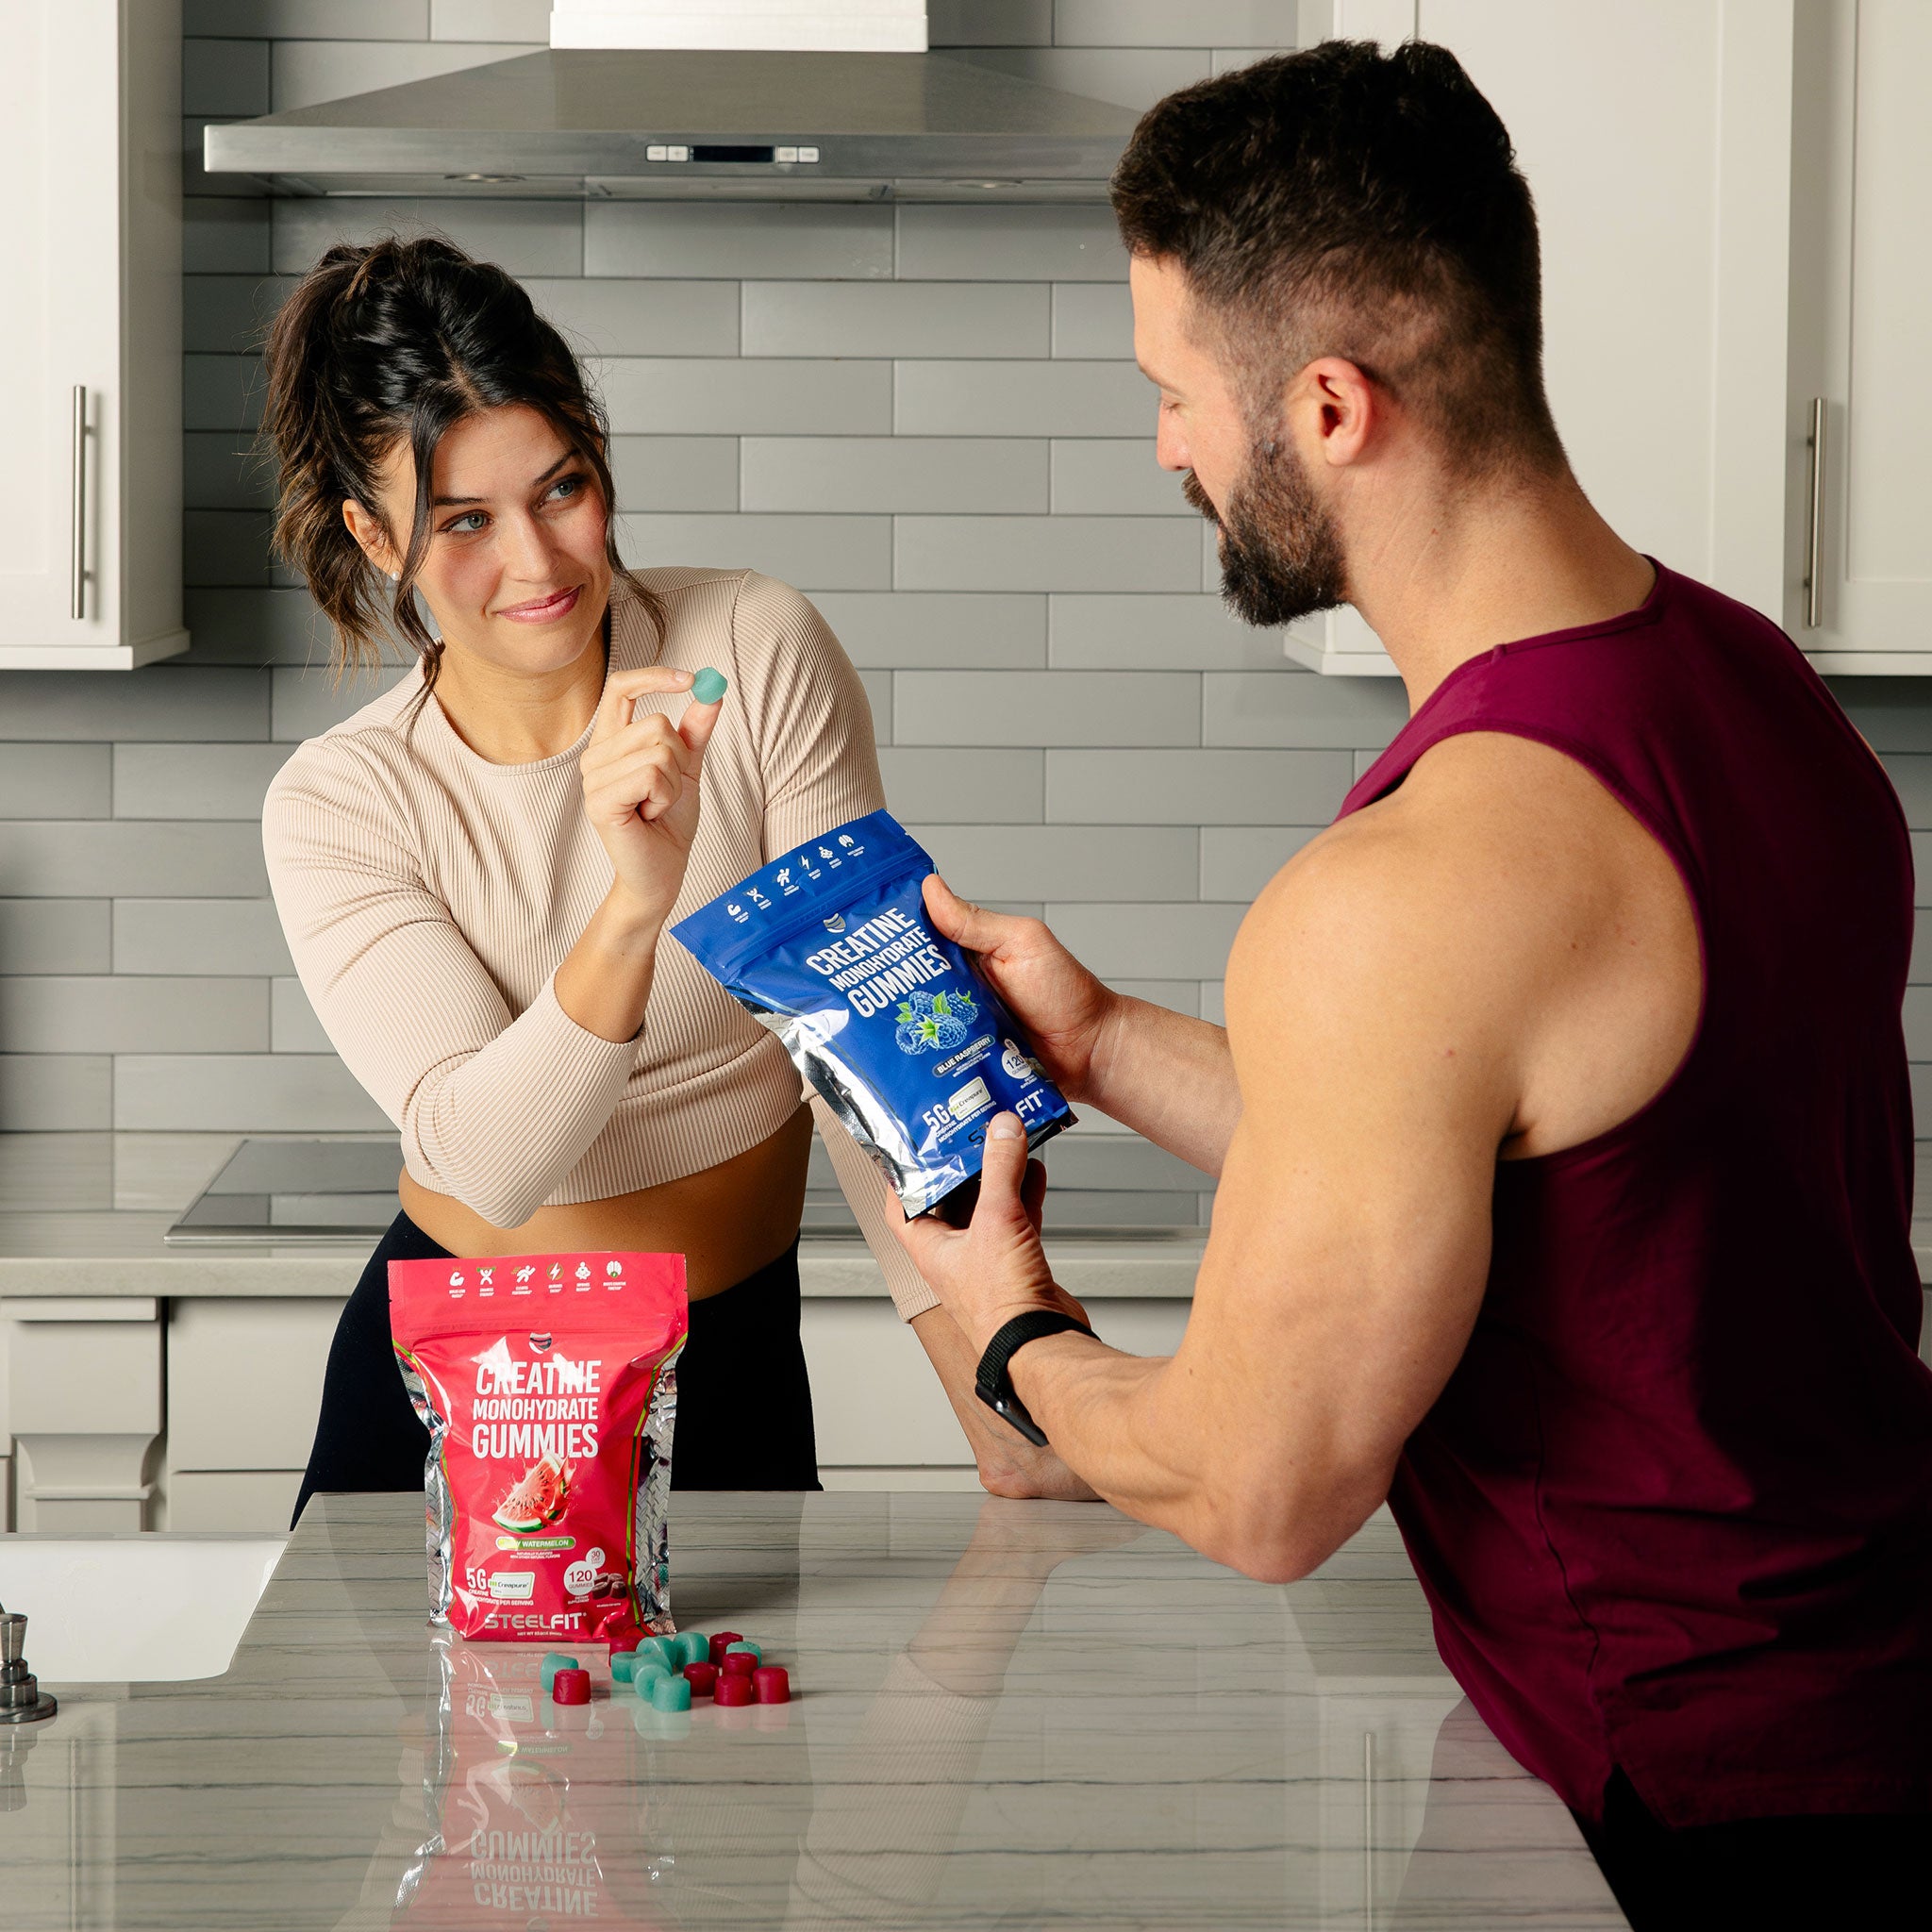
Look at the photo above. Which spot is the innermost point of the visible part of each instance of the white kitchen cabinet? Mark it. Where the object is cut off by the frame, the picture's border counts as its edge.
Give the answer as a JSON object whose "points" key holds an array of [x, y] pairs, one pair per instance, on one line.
{"points": [[245, 1389], [82, 1410], [91, 335], [1861, 289], [1725, 194], [881, 1417]]}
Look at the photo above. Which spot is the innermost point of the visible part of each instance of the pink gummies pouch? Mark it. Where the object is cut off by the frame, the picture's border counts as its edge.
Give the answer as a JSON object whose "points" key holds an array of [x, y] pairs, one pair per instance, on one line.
{"points": [[548, 1384]]}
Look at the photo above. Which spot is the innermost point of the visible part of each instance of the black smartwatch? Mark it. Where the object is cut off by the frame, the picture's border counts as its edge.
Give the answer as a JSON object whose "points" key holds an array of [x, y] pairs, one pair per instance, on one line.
{"points": [[993, 1384]]}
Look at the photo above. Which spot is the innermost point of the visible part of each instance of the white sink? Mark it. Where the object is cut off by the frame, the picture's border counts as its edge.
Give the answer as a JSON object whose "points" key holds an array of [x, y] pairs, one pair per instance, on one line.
{"points": [[135, 1608]]}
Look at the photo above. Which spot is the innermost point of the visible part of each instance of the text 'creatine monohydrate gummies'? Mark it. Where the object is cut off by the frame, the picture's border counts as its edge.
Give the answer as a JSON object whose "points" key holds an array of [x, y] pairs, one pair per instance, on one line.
{"points": [[829, 946]]}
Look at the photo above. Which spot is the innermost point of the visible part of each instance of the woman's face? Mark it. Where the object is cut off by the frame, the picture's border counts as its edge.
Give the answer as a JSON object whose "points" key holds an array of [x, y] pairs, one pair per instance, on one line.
{"points": [[516, 572]]}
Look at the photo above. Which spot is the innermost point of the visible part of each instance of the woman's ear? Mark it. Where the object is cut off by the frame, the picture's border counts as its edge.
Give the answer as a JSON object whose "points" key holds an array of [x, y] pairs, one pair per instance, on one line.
{"points": [[372, 539]]}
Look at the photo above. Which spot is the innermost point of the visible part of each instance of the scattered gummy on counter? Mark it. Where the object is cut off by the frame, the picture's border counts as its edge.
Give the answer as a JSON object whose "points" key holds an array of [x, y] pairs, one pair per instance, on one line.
{"points": [[571, 1686], [554, 1661]]}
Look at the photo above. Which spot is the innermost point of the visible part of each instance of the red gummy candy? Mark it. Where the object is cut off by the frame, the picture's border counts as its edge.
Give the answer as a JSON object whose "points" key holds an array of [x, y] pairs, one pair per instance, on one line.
{"points": [[772, 1684], [740, 1663], [701, 1678], [571, 1687], [732, 1688], [627, 1639], [721, 1642]]}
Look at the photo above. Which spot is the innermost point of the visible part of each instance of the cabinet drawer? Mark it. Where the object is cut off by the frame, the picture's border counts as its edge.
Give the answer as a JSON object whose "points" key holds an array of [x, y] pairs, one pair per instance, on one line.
{"points": [[244, 1382], [232, 1499]]}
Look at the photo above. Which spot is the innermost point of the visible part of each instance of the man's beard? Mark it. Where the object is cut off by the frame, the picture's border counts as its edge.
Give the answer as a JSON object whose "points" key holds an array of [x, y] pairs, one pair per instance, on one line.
{"points": [[1280, 552]]}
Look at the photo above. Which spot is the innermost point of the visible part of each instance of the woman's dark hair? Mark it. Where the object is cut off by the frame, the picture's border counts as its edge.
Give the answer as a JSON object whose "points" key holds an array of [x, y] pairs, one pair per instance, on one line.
{"points": [[1342, 201], [393, 343]]}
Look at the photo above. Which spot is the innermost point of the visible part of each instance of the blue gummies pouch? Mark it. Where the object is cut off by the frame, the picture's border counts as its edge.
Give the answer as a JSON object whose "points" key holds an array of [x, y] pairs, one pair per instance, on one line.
{"points": [[829, 947]]}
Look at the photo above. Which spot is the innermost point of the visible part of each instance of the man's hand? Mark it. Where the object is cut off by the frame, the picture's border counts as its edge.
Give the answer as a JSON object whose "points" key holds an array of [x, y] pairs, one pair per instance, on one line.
{"points": [[1066, 1011], [994, 1267]]}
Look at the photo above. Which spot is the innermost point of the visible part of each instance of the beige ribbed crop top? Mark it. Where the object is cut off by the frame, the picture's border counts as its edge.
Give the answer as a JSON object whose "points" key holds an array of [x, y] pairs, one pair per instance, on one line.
{"points": [[428, 897]]}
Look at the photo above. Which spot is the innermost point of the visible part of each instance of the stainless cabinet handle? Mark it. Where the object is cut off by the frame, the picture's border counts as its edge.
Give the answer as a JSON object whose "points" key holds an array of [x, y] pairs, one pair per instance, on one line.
{"points": [[77, 549], [1814, 522]]}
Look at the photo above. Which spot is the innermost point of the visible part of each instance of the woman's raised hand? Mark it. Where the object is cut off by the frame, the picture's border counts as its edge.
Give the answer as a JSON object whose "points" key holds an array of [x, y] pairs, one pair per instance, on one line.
{"points": [[641, 775]]}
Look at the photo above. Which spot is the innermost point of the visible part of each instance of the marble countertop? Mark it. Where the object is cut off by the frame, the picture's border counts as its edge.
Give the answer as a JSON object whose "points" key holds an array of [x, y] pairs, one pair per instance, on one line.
{"points": [[1007, 1714], [84, 1215]]}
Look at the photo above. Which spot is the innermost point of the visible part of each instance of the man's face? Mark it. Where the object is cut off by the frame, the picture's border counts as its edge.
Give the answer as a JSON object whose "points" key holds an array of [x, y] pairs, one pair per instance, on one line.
{"points": [[1281, 556]]}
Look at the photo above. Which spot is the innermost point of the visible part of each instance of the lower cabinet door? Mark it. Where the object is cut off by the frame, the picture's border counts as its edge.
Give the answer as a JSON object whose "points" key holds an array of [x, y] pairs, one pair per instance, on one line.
{"points": [[259, 1499], [245, 1388], [882, 1420]]}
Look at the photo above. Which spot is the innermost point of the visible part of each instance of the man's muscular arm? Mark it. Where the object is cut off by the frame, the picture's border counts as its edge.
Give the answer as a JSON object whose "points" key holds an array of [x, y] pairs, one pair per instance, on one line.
{"points": [[1375, 1025]]}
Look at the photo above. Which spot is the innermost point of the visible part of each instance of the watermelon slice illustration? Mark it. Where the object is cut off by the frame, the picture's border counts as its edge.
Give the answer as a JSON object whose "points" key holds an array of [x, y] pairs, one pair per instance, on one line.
{"points": [[537, 1497]]}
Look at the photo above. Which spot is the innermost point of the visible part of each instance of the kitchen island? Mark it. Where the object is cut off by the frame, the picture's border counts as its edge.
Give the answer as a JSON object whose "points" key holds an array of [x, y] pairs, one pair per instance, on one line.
{"points": [[1007, 1715]]}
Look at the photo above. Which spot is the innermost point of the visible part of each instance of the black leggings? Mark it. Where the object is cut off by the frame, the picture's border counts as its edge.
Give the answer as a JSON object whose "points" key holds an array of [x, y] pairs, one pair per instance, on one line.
{"points": [[1773, 1875], [744, 1402]]}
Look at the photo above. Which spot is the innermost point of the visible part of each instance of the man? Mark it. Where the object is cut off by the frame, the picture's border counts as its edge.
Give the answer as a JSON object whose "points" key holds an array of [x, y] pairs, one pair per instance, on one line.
{"points": [[1562, 1120]]}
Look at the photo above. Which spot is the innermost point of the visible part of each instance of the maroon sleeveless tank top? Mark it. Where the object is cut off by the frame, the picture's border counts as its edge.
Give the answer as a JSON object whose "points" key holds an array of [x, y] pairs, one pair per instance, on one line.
{"points": [[1674, 1510]]}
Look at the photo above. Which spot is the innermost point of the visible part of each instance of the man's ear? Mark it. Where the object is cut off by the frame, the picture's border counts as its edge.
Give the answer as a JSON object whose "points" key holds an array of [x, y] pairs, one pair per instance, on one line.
{"points": [[367, 529], [1338, 409]]}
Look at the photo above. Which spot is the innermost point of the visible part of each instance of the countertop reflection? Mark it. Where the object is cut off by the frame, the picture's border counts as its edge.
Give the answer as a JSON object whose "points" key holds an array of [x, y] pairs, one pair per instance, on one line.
{"points": [[1007, 1715]]}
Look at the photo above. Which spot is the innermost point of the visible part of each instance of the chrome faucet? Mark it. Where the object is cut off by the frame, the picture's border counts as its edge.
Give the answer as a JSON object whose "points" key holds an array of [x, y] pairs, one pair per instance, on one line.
{"points": [[22, 1700]]}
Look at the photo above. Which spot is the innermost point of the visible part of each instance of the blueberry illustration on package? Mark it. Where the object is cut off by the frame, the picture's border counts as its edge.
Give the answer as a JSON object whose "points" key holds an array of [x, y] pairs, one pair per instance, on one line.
{"points": [[829, 947]]}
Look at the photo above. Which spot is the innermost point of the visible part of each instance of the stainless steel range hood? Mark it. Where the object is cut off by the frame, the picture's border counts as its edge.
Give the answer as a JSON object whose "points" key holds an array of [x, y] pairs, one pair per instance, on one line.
{"points": [[694, 125]]}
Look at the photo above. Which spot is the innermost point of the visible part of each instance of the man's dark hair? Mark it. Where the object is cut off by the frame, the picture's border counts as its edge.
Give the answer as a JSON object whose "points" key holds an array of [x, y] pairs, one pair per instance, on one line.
{"points": [[1344, 202]]}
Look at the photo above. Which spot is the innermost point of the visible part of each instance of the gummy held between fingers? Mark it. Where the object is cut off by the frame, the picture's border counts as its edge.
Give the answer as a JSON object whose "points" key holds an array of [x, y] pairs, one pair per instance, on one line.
{"points": [[708, 686]]}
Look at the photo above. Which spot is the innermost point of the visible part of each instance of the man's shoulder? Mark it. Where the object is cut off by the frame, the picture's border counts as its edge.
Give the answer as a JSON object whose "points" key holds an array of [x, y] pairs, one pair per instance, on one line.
{"points": [[1477, 870]]}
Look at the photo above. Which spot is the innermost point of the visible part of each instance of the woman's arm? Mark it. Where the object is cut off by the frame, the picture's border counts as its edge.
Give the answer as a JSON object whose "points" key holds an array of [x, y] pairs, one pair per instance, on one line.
{"points": [[814, 729], [494, 1108]]}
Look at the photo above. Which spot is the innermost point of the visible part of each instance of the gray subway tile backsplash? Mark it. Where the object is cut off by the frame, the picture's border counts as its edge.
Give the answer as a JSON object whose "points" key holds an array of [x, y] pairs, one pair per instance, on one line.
{"points": [[627, 317], [55, 936], [1114, 476], [1066, 862], [695, 395], [1186, 940], [670, 472], [1110, 630], [307, 73], [1196, 787], [528, 237], [195, 936], [292, 1024], [224, 76], [965, 786], [88, 859], [55, 1013], [807, 241], [1048, 708], [56, 1092], [1049, 553], [240, 1093], [194, 781], [981, 319], [885, 473], [55, 781], [1044, 398], [939, 629], [928, 417]]}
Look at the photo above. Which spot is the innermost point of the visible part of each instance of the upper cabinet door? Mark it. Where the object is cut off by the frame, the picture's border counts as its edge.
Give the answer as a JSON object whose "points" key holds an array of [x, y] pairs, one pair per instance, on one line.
{"points": [[1861, 321], [91, 335], [1655, 136]]}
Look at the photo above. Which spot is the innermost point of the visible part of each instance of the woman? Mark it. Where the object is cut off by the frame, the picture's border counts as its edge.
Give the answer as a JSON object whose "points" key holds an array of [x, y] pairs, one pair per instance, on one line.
{"points": [[475, 871]]}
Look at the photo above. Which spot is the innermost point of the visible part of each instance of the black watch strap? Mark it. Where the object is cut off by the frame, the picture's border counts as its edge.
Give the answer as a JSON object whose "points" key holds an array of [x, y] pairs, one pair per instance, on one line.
{"points": [[993, 1384]]}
